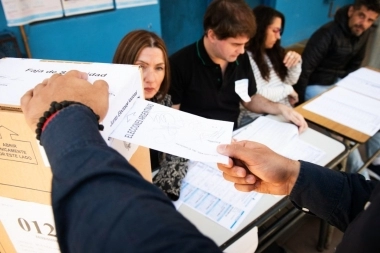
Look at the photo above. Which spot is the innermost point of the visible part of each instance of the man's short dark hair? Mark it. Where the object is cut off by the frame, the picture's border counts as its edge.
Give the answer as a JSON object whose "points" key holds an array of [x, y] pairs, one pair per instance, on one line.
{"points": [[229, 18], [373, 5]]}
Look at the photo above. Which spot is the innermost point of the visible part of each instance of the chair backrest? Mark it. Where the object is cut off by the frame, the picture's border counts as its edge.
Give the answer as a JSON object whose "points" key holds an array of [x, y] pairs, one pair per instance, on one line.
{"points": [[9, 46]]}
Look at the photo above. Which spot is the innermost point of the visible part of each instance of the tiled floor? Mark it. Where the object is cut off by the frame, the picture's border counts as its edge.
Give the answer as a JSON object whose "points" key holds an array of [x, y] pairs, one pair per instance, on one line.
{"points": [[304, 237]]}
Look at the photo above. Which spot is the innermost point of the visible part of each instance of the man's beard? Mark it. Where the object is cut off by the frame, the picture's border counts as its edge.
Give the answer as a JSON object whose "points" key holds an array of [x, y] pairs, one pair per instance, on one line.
{"points": [[357, 30]]}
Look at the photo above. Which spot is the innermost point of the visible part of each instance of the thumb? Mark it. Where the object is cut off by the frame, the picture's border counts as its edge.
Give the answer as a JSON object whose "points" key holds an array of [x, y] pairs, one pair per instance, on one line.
{"points": [[235, 150]]}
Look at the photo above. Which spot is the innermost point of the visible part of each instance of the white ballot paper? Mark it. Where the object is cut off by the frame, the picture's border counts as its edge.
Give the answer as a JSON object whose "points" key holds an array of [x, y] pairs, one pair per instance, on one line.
{"points": [[364, 81], [175, 132], [17, 76], [348, 108], [30, 226], [282, 138], [206, 191]]}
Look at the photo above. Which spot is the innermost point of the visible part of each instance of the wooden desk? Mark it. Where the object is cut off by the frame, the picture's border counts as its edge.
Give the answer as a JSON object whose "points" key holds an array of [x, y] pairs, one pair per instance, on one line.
{"points": [[331, 125], [268, 206]]}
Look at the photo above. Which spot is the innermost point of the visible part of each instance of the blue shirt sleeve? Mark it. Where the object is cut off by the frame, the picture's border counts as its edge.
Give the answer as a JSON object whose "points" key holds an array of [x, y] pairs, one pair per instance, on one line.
{"points": [[334, 196], [101, 203]]}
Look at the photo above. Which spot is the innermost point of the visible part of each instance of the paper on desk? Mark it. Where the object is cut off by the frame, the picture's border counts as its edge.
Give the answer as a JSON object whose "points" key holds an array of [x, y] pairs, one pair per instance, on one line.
{"points": [[348, 108], [364, 81], [30, 226], [175, 132], [206, 191], [281, 137]]}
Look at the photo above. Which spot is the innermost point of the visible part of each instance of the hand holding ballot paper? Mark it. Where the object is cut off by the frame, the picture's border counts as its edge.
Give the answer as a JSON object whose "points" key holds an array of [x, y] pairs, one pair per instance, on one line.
{"points": [[154, 126]]}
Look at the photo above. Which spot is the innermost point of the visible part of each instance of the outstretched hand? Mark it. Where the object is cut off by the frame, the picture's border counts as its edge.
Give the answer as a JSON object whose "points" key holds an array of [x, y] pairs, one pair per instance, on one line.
{"points": [[255, 167], [73, 86], [291, 115]]}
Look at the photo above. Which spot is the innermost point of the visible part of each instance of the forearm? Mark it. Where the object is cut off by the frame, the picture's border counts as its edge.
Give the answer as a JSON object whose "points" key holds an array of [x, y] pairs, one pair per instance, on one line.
{"points": [[293, 74], [100, 202], [260, 104], [277, 93], [334, 196]]}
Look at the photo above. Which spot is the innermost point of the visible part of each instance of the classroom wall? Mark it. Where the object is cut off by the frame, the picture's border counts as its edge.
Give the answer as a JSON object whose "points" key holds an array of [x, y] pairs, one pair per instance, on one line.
{"points": [[182, 21], [90, 37], [304, 17], [94, 37]]}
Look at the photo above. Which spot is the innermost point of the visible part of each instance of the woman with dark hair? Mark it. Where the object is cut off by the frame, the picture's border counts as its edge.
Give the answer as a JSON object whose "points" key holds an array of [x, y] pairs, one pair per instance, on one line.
{"points": [[148, 50], [275, 71]]}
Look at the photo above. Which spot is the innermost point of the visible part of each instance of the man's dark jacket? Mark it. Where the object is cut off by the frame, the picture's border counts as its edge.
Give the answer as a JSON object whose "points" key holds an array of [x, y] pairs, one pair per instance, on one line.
{"points": [[332, 52]]}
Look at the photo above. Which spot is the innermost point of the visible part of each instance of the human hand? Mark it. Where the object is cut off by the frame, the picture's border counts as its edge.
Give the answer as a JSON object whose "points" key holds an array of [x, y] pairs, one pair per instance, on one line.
{"points": [[290, 114], [73, 86], [293, 98], [255, 167], [291, 59]]}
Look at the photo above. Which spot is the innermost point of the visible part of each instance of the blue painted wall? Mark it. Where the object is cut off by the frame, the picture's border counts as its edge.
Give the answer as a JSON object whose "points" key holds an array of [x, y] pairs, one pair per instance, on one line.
{"points": [[182, 21], [90, 37], [94, 37], [304, 17]]}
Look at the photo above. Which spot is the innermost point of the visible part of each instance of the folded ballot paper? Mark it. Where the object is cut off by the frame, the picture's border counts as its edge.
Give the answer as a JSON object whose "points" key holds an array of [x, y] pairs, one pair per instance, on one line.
{"points": [[150, 125]]}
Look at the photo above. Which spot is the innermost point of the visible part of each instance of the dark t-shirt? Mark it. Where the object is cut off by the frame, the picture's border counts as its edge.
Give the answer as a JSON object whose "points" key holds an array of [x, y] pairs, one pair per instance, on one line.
{"points": [[198, 85]]}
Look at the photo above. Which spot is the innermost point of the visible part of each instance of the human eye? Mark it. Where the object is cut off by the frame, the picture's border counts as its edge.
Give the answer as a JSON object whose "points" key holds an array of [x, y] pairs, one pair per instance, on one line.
{"points": [[160, 68], [143, 66]]}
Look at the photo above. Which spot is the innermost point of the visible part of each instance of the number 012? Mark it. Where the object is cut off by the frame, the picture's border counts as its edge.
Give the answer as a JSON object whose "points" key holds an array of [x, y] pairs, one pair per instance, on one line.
{"points": [[25, 226]]}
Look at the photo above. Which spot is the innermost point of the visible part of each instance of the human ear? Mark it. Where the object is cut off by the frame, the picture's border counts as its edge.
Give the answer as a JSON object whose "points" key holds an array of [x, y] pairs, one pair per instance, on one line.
{"points": [[350, 11]]}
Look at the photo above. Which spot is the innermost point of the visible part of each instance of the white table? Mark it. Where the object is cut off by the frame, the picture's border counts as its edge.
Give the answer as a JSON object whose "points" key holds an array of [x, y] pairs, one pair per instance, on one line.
{"points": [[268, 205]]}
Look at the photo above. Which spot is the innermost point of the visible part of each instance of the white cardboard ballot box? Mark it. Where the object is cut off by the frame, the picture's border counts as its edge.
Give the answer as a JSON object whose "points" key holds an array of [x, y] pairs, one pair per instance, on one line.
{"points": [[24, 170]]}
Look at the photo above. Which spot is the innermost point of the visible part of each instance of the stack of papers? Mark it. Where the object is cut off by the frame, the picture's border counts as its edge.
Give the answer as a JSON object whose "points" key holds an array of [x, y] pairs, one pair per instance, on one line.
{"points": [[347, 105], [364, 81], [348, 108]]}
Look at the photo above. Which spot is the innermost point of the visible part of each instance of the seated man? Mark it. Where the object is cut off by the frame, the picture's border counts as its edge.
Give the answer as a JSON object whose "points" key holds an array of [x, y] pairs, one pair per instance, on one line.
{"points": [[335, 50], [212, 76]]}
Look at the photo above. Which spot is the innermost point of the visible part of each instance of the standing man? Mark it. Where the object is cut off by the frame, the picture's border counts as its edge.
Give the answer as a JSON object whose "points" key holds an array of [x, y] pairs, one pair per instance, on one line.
{"points": [[337, 48], [212, 76]]}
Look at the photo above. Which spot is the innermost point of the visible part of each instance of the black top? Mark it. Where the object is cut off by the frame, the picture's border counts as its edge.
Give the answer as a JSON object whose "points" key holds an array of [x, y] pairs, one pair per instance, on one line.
{"points": [[332, 52], [198, 85]]}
